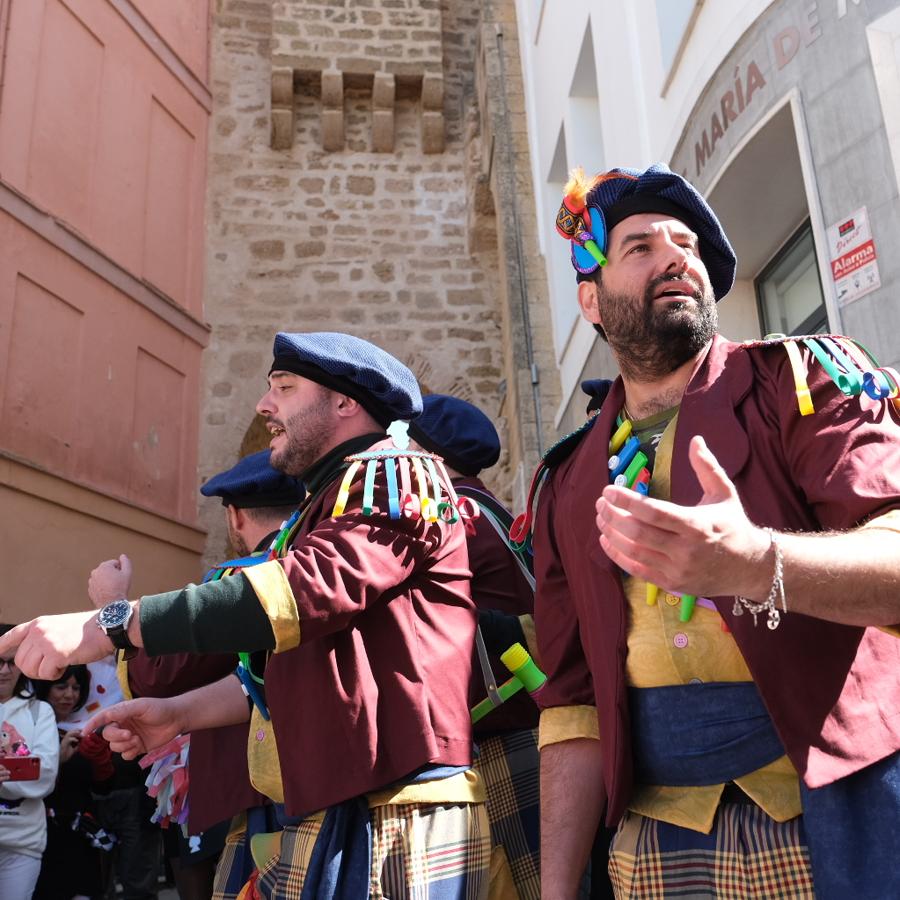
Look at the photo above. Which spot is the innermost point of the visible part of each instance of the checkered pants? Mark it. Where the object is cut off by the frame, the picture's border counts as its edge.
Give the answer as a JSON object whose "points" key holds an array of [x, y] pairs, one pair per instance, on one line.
{"points": [[509, 766], [419, 852], [747, 856]]}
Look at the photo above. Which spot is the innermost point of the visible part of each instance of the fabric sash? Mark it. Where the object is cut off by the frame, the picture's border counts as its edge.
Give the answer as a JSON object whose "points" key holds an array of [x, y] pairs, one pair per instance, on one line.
{"points": [[341, 860], [690, 735], [686, 735]]}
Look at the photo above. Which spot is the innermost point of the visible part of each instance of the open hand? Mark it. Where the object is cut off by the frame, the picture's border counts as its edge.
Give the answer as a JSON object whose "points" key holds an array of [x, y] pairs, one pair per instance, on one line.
{"points": [[138, 726], [711, 549], [111, 580]]}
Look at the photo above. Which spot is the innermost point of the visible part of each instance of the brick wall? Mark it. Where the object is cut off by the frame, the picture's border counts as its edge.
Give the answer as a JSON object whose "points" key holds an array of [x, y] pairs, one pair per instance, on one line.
{"points": [[398, 247]]}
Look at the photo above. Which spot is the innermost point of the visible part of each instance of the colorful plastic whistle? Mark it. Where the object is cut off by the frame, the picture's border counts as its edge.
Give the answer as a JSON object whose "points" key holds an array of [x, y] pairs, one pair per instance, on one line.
{"points": [[620, 435], [620, 462], [634, 467], [688, 602], [641, 482]]}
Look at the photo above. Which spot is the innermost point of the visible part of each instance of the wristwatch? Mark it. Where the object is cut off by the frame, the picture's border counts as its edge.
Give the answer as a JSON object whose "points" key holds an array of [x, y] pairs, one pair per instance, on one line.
{"points": [[113, 621]]}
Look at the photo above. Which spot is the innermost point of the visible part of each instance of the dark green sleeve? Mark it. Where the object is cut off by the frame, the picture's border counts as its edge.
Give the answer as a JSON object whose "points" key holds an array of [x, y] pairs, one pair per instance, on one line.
{"points": [[218, 617]]}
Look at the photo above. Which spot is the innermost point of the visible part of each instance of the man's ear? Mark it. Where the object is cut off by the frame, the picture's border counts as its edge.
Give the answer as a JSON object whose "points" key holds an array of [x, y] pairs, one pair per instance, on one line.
{"points": [[589, 301], [235, 516], [346, 406]]}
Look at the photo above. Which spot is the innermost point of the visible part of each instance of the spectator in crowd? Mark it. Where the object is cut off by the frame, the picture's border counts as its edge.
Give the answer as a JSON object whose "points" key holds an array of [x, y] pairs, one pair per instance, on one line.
{"points": [[72, 867], [27, 728]]}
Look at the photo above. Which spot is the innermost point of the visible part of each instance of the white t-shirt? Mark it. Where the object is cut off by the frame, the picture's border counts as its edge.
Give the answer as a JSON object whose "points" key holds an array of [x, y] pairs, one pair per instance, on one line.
{"points": [[23, 823], [104, 691]]}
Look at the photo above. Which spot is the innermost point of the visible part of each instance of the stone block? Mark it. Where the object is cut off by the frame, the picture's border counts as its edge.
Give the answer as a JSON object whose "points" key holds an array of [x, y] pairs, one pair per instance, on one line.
{"points": [[433, 91], [282, 129], [432, 132], [332, 89], [282, 108], [383, 130], [332, 110], [383, 91]]}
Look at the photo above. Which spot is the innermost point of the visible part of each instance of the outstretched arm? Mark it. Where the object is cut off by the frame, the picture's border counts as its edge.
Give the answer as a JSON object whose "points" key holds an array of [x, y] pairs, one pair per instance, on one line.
{"points": [[137, 726], [713, 549]]}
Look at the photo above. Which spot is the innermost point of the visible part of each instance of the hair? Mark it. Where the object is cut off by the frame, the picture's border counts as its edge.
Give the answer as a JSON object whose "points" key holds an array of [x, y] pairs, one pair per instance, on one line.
{"points": [[82, 677], [273, 515], [23, 688]]}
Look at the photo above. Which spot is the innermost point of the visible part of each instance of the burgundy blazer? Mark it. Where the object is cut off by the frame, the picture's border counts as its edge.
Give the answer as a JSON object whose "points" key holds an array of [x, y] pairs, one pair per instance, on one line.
{"points": [[833, 691], [217, 764], [497, 583], [378, 686]]}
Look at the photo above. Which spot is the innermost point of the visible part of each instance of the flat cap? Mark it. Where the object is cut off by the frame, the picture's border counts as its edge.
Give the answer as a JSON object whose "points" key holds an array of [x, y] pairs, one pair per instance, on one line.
{"points": [[593, 207], [349, 365], [254, 483], [458, 431]]}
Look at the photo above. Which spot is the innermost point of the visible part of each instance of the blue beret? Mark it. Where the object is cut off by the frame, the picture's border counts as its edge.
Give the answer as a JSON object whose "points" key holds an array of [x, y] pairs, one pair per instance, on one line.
{"points": [[596, 389], [349, 365], [254, 483], [458, 431], [621, 193]]}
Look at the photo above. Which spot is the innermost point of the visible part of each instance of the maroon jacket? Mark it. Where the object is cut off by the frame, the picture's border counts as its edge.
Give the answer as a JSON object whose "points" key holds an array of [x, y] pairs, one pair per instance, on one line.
{"points": [[833, 691], [217, 764], [497, 583], [378, 686]]}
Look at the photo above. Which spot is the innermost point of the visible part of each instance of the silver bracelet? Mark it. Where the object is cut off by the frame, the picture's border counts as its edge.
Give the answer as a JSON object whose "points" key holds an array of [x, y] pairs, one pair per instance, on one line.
{"points": [[775, 592]]}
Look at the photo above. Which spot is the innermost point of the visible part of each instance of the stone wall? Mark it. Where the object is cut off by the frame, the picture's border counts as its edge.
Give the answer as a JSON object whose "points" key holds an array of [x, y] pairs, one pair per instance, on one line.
{"points": [[398, 246]]}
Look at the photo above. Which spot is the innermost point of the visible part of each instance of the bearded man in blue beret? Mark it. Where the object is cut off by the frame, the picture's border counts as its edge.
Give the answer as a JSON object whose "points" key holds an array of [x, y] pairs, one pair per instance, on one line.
{"points": [[360, 727], [716, 554]]}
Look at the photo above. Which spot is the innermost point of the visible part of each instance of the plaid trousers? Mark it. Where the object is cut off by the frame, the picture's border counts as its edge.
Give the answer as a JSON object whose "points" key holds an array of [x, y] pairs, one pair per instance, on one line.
{"points": [[419, 852], [746, 856]]}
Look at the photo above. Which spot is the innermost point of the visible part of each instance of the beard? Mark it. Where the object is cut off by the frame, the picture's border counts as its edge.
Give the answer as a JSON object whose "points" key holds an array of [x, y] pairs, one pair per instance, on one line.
{"points": [[652, 339], [308, 436]]}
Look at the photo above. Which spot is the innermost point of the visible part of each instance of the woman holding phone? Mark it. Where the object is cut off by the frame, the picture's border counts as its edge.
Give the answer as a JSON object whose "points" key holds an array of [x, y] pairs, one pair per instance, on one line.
{"points": [[72, 866], [27, 732]]}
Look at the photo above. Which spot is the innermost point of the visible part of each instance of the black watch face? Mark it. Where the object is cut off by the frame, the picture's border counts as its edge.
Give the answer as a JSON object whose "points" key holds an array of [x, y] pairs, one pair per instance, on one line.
{"points": [[114, 613]]}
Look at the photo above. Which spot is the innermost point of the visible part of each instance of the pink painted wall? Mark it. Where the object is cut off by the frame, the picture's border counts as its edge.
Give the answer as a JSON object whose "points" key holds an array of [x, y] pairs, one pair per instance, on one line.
{"points": [[104, 106], [94, 129]]}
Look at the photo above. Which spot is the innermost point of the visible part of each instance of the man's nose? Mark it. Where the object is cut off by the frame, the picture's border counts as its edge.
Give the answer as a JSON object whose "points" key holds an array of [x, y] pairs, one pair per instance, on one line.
{"points": [[264, 407], [676, 258]]}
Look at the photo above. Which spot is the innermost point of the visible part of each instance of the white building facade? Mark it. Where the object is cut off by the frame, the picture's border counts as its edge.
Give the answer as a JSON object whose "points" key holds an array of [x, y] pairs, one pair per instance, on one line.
{"points": [[785, 114]]}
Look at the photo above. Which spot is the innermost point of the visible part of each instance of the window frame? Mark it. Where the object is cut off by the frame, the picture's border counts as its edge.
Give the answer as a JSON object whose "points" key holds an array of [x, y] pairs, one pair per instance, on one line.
{"points": [[816, 320]]}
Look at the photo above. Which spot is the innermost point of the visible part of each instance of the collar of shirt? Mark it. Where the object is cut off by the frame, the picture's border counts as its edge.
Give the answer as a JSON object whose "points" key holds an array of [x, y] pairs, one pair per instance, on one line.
{"points": [[324, 469]]}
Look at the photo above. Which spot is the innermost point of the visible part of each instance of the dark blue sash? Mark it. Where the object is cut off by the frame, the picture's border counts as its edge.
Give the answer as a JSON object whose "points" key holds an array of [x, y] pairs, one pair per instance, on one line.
{"points": [[690, 735], [686, 735]]}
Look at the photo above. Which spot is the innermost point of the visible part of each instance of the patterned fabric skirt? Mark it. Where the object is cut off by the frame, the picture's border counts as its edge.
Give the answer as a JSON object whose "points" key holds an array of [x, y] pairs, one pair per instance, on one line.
{"points": [[746, 856], [509, 766], [419, 852], [236, 862]]}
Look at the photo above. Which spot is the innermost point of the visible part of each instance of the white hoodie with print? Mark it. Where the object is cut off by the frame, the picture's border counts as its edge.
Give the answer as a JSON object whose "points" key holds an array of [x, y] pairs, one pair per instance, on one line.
{"points": [[23, 823]]}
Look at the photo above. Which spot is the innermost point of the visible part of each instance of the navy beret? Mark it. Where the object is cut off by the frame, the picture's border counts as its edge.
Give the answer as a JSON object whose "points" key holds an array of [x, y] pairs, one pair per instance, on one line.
{"points": [[596, 389], [458, 431], [620, 193], [254, 483], [385, 388]]}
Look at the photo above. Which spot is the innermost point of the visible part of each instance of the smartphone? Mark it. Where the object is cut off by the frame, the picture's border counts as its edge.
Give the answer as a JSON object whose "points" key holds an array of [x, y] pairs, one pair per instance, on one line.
{"points": [[22, 768]]}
